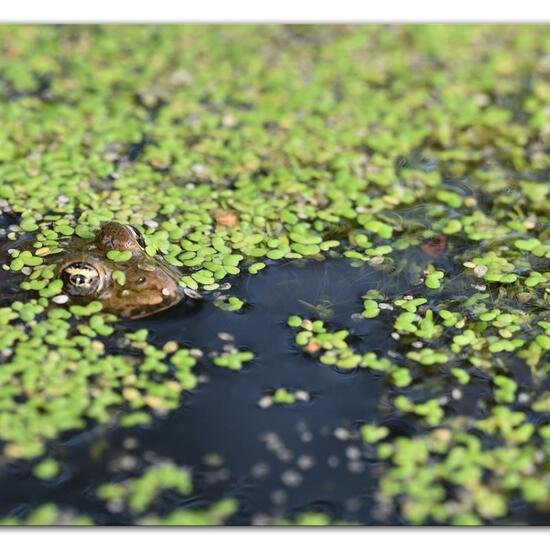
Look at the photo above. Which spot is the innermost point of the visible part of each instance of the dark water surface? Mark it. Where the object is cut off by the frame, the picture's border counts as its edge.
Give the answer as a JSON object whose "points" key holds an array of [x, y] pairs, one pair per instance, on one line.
{"points": [[277, 460]]}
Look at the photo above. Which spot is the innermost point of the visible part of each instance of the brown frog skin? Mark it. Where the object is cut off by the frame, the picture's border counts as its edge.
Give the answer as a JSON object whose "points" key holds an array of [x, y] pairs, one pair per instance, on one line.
{"points": [[151, 285]]}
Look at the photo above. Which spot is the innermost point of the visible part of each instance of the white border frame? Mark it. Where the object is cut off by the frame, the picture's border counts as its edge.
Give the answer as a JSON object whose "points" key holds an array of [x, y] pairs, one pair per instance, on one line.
{"points": [[282, 11]]}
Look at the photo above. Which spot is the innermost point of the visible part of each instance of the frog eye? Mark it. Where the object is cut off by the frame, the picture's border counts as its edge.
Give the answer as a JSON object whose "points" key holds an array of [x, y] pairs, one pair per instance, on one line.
{"points": [[81, 279], [137, 236]]}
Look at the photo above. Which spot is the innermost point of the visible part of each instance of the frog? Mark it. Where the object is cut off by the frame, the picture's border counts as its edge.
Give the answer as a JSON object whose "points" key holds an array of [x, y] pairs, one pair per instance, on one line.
{"points": [[149, 285]]}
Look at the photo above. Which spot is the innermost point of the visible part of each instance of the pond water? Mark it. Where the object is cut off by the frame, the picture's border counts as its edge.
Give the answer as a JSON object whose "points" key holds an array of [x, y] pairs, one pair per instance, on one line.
{"points": [[276, 459]]}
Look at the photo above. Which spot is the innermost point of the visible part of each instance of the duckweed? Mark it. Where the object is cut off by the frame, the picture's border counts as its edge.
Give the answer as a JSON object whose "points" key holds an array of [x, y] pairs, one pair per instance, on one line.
{"points": [[53, 350], [47, 469], [372, 433], [371, 309], [119, 255], [49, 514], [233, 360], [138, 494], [282, 396], [433, 280], [229, 303], [481, 480]]}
